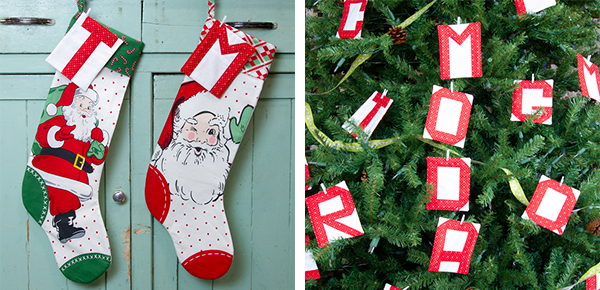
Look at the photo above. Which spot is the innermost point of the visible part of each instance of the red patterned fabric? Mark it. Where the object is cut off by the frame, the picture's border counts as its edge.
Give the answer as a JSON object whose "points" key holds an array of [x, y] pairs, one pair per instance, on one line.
{"points": [[457, 188], [521, 95], [453, 245], [447, 34], [589, 78], [436, 124], [352, 14]]}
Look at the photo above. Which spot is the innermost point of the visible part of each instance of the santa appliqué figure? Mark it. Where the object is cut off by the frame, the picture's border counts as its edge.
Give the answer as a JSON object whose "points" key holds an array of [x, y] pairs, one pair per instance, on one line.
{"points": [[70, 144], [192, 155]]}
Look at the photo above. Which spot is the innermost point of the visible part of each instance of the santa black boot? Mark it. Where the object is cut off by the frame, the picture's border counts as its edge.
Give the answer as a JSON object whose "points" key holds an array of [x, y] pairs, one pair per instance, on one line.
{"points": [[63, 222]]}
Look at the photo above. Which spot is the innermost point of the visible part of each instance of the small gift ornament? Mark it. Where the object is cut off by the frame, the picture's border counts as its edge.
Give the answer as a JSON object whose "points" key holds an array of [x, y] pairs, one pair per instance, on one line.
{"points": [[460, 50], [450, 178], [529, 98], [533, 6], [589, 78], [453, 245], [352, 19], [333, 214], [448, 117], [311, 271], [369, 114], [551, 205]]}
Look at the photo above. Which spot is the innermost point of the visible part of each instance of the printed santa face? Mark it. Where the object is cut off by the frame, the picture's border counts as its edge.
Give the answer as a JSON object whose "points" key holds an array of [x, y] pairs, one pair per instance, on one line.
{"points": [[533, 6], [460, 50], [589, 78], [551, 205], [333, 214], [453, 245], [196, 149], [451, 183], [531, 96], [448, 117], [352, 19]]}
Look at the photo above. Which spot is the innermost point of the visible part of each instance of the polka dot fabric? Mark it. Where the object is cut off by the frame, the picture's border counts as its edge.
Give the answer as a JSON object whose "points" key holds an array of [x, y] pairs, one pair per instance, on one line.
{"points": [[444, 260], [589, 78], [390, 287], [591, 283], [186, 195], [454, 52], [455, 182], [532, 6], [310, 266], [333, 214], [352, 15], [551, 205], [526, 98], [439, 115]]}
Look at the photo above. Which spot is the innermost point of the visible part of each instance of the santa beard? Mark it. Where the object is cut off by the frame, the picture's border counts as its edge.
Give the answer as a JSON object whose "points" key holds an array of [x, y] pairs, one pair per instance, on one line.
{"points": [[200, 178], [83, 126]]}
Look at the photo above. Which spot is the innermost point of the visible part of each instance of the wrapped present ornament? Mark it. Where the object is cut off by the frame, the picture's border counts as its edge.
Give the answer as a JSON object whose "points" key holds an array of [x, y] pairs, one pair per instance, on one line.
{"points": [[60, 189]]}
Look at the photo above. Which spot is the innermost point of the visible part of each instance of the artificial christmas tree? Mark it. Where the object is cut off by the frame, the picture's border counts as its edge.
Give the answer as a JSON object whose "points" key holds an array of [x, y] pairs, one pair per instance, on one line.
{"points": [[387, 173]]}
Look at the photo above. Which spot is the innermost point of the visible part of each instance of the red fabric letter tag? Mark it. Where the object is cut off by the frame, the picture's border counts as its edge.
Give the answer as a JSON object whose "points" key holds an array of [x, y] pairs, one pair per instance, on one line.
{"points": [[532, 6], [451, 183], [369, 114], [591, 283], [390, 287], [333, 214], [352, 19], [589, 79], [218, 59], [460, 50], [551, 205], [448, 117], [530, 97], [453, 245], [311, 271], [83, 51]]}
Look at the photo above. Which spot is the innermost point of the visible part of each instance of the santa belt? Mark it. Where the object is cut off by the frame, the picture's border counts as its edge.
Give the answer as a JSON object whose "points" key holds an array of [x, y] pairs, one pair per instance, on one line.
{"points": [[77, 160]]}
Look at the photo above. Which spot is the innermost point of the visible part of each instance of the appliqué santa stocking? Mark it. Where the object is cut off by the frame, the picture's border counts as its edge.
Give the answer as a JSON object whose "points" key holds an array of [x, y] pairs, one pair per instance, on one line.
{"points": [[60, 187], [189, 168]]}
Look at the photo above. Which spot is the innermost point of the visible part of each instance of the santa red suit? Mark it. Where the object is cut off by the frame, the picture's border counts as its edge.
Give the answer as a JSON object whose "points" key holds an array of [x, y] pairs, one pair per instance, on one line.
{"points": [[64, 163]]}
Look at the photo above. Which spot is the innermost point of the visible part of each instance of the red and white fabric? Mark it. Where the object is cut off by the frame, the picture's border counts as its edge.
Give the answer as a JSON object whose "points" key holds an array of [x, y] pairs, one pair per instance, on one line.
{"points": [[83, 51], [589, 78], [529, 97], [551, 205], [352, 19], [390, 287], [460, 50], [533, 6], [448, 117], [218, 59], [333, 214], [453, 245], [369, 114], [450, 178], [311, 271], [591, 283]]}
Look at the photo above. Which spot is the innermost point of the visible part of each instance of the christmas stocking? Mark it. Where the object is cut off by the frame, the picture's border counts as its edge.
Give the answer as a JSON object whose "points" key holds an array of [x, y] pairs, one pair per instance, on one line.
{"points": [[60, 188], [189, 168]]}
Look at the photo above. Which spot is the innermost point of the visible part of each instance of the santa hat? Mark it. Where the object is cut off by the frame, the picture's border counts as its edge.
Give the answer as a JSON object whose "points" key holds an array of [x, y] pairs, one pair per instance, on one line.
{"points": [[72, 90]]}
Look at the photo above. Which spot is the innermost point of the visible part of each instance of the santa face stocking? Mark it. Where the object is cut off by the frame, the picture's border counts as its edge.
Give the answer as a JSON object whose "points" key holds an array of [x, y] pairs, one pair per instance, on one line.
{"points": [[189, 168], [60, 187]]}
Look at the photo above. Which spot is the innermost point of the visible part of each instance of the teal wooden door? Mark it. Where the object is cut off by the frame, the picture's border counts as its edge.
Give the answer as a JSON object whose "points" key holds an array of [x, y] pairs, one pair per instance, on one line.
{"points": [[258, 195]]}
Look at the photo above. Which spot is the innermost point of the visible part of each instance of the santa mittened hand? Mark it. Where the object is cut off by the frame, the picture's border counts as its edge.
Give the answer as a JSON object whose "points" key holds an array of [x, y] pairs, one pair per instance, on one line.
{"points": [[61, 182], [189, 168]]}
